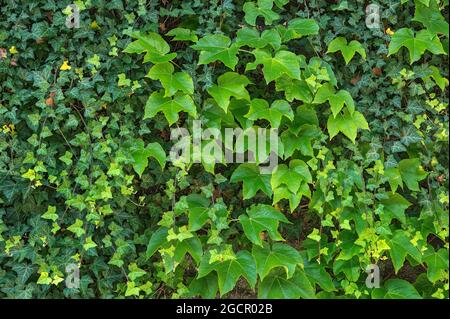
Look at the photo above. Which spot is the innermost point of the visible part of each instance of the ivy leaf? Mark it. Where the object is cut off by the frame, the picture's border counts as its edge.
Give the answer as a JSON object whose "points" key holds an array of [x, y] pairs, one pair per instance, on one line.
{"points": [[437, 264], [347, 50], [291, 176], [252, 38], [77, 228], [181, 34], [283, 63], [157, 102], [217, 47], [346, 123], [280, 255], [192, 246], [228, 85], [155, 47], [294, 89], [417, 45], [303, 27], [140, 155], [229, 271], [252, 179], [394, 178], [260, 8], [50, 213], [262, 218], [431, 18], [401, 246], [394, 207], [396, 289], [277, 286], [172, 82], [299, 141], [159, 237], [259, 109], [441, 81], [135, 272], [338, 100], [411, 172], [198, 211]]}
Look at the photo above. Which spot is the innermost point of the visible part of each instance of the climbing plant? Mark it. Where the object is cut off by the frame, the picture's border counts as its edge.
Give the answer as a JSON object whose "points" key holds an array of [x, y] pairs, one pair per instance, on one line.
{"points": [[89, 114]]}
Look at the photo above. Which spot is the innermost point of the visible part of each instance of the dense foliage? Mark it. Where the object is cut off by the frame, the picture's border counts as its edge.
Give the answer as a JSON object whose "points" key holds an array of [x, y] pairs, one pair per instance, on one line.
{"points": [[362, 175]]}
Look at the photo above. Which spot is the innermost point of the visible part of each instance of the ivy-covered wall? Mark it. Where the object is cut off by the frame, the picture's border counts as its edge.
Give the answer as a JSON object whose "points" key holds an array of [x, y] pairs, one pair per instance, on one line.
{"points": [[87, 190]]}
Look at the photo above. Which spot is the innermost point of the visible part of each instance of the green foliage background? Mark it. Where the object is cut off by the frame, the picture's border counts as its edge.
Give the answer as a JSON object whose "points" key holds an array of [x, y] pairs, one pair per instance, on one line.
{"points": [[76, 187]]}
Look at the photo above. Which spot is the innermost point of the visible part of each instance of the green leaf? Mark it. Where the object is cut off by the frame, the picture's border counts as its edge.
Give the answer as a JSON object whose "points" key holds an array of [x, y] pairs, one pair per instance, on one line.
{"points": [[140, 155], [135, 272], [251, 38], [172, 82], [347, 50], [276, 286], [346, 123], [155, 47], [394, 207], [261, 8], [157, 102], [431, 18], [50, 213], [412, 173], [401, 246], [262, 218], [229, 271], [280, 255], [417, 45], [300, 141], [396, 289], [198, 206], [338, 100], [252, 180], [228, 85], [77, 228], [291, 176], [303, 27], [283, 63], [394, 178], [217, 47], [181, 34], [192, 246], [437, 264], [158, 238], [259, 109], [294, 89]]}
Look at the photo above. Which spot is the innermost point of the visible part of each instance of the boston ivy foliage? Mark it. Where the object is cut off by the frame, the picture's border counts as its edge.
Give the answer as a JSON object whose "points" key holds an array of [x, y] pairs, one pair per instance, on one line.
{"points": [[85, 119]]}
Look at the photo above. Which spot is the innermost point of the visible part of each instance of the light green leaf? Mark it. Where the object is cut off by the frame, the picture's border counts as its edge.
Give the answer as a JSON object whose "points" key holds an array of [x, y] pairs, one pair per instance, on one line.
{"points": [[346, 123], [437, 264], [280, 255], [283, 63], [172, 82], [77, 228], [217, 47], [198, 206], [261, 8], [396, 289], [431, 17], [155, 47], [252, 180], [228, 85], [291, 176], [252, 38], [394, 207], [276, 286], [157, 102], [417, 45], [262, 218], [229, 271], [411, 172], [50, 213], [347, 50], [303, 27], [401, 246], [181, 34], [259, 109]]}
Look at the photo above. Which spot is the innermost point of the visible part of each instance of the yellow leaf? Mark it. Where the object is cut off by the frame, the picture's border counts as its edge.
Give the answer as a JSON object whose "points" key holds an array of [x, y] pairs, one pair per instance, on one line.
{"points": [[13, 50], [389, 31], [65, 66], [94, 25]]}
